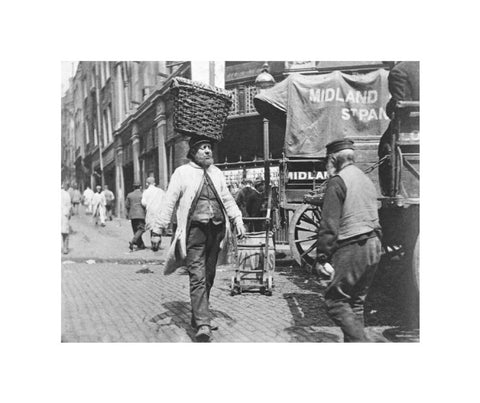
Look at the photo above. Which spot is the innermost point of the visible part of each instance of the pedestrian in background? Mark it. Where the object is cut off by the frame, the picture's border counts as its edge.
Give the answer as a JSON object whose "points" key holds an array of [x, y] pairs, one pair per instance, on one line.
{"points": [[152, 200], [234, 189], [98, 206], [76, 199], [243, 195], [87, 199], [203, 236], [136, 214], [109, 198], [348, 238], [257, 205], [66, 207], [250, 200], [70, 192]]}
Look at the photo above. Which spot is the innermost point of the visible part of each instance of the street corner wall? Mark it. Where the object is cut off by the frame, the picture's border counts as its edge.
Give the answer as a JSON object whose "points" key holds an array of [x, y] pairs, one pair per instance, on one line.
{"points": [[181, 150]]}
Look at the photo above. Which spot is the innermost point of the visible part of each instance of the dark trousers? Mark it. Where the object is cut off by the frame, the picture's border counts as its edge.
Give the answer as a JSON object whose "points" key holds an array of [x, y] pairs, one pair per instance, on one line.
{"points": [[138, 227], [355, 266], [109, 208], [203, 245]]}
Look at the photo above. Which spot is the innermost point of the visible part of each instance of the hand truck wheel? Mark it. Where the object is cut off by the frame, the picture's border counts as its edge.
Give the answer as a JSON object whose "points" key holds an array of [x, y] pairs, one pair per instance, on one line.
{"points": [[268, 292], [233, 286]]}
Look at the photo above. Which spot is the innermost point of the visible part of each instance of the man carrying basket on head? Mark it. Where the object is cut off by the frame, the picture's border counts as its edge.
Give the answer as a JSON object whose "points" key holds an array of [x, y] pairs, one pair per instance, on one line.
{"points": [[203, 235]]}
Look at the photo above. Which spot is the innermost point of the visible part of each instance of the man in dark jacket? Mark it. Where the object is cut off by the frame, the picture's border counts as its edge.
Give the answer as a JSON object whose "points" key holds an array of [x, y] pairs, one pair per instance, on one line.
{"points": [[348, 238], [249, 200], [404, 85], [136, 213]]}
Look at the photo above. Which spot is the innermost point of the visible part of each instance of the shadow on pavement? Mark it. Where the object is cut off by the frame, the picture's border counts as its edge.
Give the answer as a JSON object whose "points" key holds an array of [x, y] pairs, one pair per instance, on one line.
{"points": [[219, 315], [389, 304], [311, 321], [309, 314], [392, 301], [178, 314]]}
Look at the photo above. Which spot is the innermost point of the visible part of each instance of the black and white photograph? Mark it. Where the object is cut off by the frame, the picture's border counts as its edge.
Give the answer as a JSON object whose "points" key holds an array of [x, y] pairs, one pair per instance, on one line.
{"points": [[240, 201], [237, 188]]}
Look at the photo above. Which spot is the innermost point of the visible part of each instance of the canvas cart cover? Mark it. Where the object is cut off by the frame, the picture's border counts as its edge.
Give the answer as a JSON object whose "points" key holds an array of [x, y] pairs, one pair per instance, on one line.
{"points": [[318, 109]]}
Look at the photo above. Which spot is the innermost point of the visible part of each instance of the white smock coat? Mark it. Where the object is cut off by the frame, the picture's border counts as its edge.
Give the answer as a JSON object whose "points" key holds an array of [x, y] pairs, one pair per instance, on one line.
{"points": [[152, 200], [66, 207], [99, 203], [184, 185]]}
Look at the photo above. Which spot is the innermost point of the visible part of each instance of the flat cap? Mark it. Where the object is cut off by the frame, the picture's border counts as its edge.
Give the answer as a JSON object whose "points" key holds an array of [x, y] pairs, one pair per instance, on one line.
{"points": [[196, 140], [339, 145]]}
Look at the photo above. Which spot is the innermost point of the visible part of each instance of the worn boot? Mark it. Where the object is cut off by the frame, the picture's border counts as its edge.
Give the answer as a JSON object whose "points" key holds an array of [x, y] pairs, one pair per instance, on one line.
{"points": [[213, 325], [203, 334]]}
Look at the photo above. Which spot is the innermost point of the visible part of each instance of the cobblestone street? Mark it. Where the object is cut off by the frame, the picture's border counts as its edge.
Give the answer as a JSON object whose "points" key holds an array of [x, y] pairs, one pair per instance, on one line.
{"points": [[110, 294]]}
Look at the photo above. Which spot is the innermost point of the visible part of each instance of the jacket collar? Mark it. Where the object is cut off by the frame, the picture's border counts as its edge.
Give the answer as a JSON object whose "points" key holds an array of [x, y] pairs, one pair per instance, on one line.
{"points": [[196, 166]]}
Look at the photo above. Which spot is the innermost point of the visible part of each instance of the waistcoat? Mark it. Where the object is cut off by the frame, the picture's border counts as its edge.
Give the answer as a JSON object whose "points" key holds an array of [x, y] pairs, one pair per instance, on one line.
{"points": [[208, 207], [360, 214]]}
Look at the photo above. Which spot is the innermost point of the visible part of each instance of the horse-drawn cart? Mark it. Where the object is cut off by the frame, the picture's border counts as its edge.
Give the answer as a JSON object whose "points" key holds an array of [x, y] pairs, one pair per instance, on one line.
{"points": [[318, 109]]}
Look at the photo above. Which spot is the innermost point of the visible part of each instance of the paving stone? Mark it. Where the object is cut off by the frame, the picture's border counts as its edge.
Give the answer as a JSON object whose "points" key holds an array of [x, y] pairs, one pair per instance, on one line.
{"points": [[109, 301]]}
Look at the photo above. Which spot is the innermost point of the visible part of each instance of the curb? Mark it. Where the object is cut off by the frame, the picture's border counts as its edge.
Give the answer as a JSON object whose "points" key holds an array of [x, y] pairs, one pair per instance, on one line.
{"points": [[159, 262], [66, 260]]}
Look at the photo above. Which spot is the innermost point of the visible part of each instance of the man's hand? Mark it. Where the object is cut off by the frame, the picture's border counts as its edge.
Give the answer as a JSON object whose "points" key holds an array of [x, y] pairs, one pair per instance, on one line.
{"points": [[323, 270], [240, 230]]}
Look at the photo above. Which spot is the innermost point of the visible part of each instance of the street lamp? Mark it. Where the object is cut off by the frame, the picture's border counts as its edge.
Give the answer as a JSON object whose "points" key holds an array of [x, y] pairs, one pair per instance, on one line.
{"points": [[264, 81]]}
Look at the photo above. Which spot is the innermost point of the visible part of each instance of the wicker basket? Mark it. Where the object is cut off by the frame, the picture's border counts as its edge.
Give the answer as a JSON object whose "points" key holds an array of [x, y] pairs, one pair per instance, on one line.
{"points": [[200, 109]]}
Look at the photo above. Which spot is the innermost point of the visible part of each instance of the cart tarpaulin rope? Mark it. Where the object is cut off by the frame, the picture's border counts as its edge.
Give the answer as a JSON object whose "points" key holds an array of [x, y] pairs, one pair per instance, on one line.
{"points": [[320, 190], [376, 164]]}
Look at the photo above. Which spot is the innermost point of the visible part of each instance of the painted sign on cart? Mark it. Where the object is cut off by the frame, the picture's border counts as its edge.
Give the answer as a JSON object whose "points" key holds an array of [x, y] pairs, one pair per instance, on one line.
{"points": [[318, 109]]}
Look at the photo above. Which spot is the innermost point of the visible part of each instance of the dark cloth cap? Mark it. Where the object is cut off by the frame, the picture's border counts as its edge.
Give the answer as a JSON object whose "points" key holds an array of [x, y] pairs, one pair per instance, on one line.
{"points": [[339, 145], [196, 140], [259, 181]]}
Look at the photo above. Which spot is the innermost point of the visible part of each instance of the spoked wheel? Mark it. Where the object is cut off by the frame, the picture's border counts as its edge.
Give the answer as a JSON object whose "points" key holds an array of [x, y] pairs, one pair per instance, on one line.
{"points": [[303, 234], [416, 264]]}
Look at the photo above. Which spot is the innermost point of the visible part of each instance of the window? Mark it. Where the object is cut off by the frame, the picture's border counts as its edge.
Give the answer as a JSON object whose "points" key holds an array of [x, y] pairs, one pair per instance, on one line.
{"points": [[95, 136], [107, 70], [104, 73], [87, 132], [109, 123], [84, 87], [104, 128], [107, 126], [136, 90]]}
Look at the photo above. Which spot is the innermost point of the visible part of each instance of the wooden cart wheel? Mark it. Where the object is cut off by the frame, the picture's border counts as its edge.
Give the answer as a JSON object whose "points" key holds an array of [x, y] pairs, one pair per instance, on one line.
{"points": [[416, 264], [303, 233]]}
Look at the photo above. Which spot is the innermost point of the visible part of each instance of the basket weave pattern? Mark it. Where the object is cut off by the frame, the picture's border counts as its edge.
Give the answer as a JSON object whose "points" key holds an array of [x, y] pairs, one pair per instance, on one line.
{"points": [[200, 109]]}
